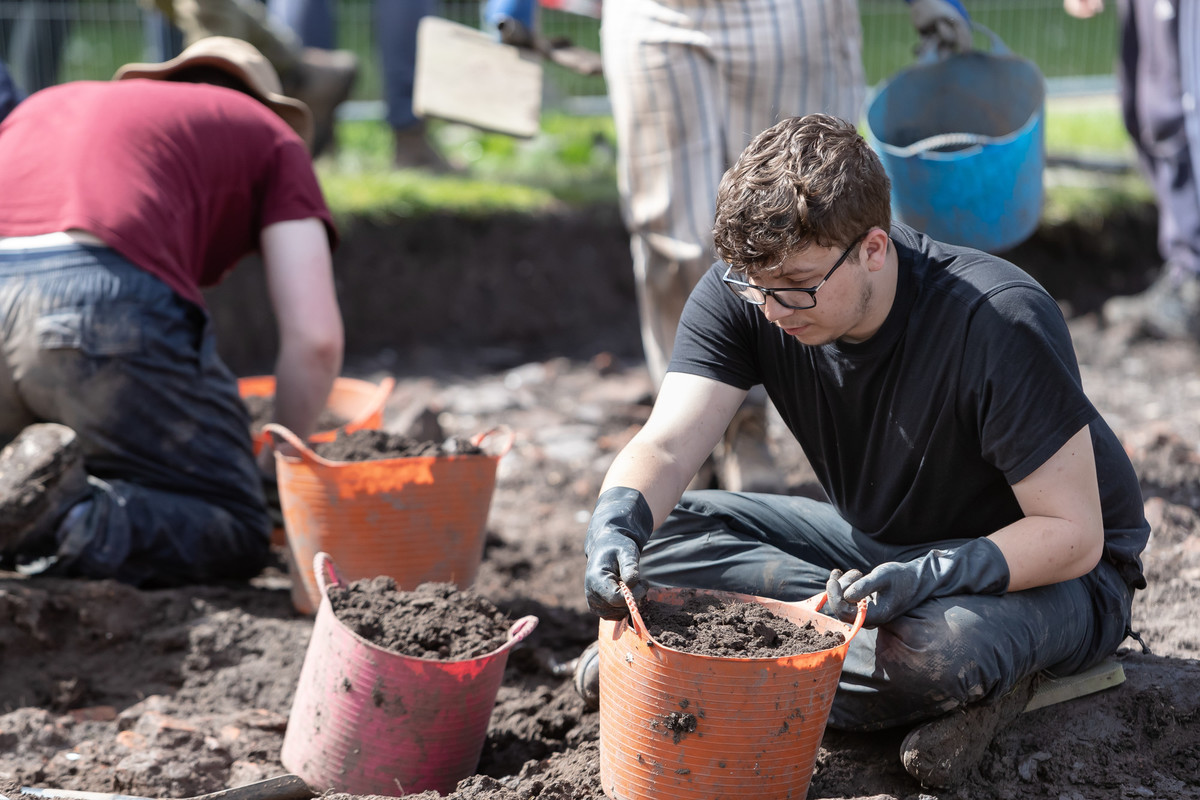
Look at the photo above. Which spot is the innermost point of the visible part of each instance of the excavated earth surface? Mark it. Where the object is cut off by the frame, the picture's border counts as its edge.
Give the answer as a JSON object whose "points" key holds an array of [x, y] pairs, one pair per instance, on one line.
{"points": [[529, 324]]}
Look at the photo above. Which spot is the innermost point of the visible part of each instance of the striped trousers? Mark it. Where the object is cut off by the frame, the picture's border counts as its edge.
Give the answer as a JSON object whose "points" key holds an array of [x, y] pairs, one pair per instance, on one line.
{"points": [[691, 82]]}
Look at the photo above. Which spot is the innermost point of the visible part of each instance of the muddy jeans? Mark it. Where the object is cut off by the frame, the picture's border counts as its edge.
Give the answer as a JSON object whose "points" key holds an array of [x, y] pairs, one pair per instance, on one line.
{"points": [[92, 342], [943, 654]]}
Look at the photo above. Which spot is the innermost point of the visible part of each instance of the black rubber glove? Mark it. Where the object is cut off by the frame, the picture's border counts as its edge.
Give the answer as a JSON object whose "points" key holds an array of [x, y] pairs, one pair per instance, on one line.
{"points": [[621, 525], [977, 567]]}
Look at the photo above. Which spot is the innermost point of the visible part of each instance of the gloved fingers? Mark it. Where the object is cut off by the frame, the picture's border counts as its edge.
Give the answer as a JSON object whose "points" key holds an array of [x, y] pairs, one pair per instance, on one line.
{"points": [[835, 602], [605, 571], [860, 586], [942, 24], [604, 596], [953, 35]]}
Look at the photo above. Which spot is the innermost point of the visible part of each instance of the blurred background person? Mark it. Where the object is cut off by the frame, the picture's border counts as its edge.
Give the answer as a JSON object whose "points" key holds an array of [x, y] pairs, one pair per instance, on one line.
{"points": [[10, 95], [321, 79], [1158, 75], [32, 41], [395, 27]]}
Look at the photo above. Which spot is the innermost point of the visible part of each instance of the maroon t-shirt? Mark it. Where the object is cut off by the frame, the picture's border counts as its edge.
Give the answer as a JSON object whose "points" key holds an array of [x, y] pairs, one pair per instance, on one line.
{"points": [[179, 178]]}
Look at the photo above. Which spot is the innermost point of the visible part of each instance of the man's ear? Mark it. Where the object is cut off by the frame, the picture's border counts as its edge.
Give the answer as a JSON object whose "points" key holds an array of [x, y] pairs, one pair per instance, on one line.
{"points": [[874, 248]]}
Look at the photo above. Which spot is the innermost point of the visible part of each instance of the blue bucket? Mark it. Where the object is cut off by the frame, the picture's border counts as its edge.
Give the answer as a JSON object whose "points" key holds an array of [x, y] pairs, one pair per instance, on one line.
{"points": [[963, 141]]}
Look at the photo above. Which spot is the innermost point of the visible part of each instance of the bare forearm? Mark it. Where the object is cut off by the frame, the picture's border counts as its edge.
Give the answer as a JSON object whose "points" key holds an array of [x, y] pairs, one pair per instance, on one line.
{"points": [[304, 375], [653, 472], [1044, 550]]}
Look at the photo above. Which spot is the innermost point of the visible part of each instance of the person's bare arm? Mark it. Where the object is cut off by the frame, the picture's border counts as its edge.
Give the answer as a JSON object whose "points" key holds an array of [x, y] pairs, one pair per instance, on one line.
{"points": [[1061, 535], [646, 480], [299, 270], [690, 415]]}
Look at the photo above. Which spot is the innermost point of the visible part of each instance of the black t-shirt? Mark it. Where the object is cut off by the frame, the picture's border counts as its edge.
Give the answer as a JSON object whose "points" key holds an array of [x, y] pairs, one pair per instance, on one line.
{"points": [[918, 433]]}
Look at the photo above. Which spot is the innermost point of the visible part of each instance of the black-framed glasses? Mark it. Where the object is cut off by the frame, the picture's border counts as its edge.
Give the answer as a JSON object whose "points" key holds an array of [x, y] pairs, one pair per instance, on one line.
{"points": [[798, 299]]}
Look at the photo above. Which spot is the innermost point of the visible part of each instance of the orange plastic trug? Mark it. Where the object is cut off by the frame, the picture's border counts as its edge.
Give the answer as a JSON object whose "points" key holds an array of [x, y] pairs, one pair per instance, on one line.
{"points": [[359, 402], [683, 725], [417, 520]]}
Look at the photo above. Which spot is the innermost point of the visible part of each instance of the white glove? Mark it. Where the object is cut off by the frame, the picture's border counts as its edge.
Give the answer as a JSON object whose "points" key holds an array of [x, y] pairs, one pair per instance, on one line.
{"points": [[943, 24]]}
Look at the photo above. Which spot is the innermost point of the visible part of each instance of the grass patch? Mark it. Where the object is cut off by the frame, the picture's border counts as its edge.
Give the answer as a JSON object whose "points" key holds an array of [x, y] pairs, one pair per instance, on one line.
{"points": [[571, 163]]}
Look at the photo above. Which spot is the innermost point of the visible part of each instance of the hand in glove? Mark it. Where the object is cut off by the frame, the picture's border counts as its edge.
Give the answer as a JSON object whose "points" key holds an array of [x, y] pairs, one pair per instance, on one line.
{"points": [[943, 24], [621, 524], [977, 567]]}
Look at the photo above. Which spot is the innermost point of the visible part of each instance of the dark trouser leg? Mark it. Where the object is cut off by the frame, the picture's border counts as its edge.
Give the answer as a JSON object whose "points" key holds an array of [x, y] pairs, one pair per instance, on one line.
{"points": [[38, 38], [942, 655], [312, 20], [396, 39], [1152, 93], [110, 351]]}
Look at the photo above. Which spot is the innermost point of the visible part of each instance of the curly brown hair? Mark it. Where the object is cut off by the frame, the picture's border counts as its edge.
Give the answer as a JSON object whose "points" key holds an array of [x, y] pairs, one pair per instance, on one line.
{"points": [[810, 180]]}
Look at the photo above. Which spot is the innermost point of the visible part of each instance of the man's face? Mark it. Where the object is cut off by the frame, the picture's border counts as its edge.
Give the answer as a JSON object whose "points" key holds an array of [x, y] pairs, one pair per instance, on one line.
{"points": [[838, 284]]}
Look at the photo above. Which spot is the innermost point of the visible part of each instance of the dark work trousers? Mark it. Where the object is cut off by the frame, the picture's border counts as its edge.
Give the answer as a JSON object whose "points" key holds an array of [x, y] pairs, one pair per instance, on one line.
{"points": [[1159, 77], [940, 656], [92, 342]]}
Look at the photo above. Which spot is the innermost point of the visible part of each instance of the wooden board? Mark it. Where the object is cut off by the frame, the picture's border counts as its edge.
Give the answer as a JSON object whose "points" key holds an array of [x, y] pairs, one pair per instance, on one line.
{"points": [[463, 75]]}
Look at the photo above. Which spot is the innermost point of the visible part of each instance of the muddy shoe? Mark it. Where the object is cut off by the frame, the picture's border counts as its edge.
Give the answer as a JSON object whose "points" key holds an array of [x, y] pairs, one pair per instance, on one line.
{"points": [[942, 753], [41, 478], [587, 676], [1168, 309], [414, 151], [744, 462]]}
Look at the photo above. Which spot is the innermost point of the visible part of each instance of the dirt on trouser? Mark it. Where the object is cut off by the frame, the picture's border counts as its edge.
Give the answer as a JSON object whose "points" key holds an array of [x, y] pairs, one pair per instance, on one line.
{"points": [[172, 693]]}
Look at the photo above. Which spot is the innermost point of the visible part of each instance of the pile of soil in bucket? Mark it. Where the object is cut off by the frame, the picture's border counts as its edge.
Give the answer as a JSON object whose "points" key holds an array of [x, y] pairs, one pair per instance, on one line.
{"points": [[262, 411], [714, 626], [434, 620], [373, 445]]}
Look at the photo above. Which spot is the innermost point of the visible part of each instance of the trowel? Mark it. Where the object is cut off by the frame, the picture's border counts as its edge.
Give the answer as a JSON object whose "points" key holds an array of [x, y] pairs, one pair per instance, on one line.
{"points": [[281, 787]]}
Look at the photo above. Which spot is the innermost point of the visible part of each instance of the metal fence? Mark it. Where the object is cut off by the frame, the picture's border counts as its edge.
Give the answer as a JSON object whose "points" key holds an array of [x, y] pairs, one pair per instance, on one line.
{"points": [[49, 41]]}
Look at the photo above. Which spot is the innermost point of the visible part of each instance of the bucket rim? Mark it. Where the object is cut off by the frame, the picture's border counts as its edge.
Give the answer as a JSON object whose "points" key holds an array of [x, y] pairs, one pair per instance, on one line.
{"points": [[812, 604], [914, 151], [327, 576], [305, 453], [999, 52]]}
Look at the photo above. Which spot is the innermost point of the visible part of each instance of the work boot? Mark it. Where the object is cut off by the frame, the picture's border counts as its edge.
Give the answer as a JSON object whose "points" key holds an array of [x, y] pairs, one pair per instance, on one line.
{"points": [[744, 459], [323, 80], [41, 477], [414, 151], [943, 752], [587, 676], [1168, 309]]}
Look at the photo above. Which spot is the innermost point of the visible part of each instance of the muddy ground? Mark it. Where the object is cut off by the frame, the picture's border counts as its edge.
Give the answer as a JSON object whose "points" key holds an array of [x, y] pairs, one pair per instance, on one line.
{"points": [[530, 324]]}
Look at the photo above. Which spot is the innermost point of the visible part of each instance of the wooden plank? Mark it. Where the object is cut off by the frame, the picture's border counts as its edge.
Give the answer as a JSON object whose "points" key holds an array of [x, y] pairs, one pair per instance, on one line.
{"points": [[1105, 675], [463, 75]]}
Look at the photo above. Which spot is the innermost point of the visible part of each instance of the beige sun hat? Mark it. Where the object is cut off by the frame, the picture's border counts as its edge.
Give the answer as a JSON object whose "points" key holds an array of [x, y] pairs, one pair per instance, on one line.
{"points": [[244, 61]]}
